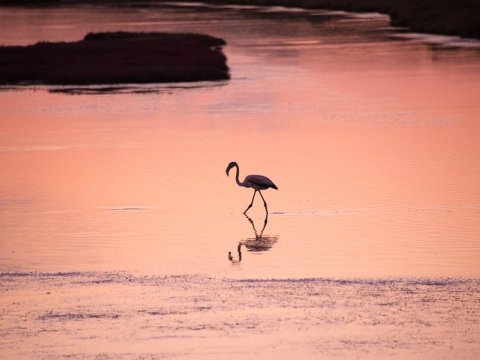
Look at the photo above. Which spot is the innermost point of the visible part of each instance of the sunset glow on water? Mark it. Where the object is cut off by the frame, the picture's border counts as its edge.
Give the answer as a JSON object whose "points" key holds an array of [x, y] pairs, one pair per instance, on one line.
{"points": [[117, 216]]}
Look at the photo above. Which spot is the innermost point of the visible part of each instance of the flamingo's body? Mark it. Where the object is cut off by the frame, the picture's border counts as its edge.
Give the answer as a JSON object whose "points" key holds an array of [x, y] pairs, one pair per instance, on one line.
{"points": [[257, 182]]}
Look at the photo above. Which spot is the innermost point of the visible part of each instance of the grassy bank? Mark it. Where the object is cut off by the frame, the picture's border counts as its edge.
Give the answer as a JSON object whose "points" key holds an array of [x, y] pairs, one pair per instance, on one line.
{"points": [[116, 58]]}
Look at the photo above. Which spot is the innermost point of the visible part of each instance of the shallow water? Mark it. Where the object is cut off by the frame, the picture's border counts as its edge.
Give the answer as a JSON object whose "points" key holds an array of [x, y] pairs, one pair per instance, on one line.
{"points": [[117, 315], [370, 134]]}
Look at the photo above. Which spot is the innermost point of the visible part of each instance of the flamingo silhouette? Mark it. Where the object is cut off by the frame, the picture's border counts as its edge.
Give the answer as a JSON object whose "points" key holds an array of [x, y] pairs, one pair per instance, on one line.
{"points": [[257, 182]]}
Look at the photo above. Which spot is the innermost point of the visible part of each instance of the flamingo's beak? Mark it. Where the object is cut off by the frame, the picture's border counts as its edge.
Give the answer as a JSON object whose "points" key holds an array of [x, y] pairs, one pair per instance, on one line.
{"points": [[228, 168]]}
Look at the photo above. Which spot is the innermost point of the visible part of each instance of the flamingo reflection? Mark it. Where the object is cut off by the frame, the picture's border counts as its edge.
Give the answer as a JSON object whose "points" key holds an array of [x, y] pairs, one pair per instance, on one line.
{"points": [[239, 250], [258, 243]]}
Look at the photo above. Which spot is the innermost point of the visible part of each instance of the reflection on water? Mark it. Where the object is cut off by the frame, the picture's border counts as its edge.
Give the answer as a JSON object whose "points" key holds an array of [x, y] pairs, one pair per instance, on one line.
{"points": [[258, 235], [260, 242], [130, 88], [257, 244], [239, 252]]}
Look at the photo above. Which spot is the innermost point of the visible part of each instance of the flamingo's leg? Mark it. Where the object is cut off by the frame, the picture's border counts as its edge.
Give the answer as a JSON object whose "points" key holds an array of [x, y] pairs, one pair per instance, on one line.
{"points": [[264, 202], [253, 198]]}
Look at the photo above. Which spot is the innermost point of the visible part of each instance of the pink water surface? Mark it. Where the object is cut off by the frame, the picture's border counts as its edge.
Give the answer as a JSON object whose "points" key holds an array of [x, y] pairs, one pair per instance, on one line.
{"points": [[117, 216]]}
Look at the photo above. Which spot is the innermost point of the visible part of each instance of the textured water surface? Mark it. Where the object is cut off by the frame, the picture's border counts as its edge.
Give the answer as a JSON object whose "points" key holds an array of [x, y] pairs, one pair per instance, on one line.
{"points": [[120, 231], [120, 315]]}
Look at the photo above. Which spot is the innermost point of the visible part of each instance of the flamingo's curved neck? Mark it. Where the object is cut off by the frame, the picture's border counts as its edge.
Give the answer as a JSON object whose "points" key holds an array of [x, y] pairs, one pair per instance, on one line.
{"points": [[237, 176]]}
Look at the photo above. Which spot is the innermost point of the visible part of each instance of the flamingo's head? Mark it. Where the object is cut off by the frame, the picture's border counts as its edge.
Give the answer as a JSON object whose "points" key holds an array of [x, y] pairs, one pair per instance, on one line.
{"points": [[231, 165]]}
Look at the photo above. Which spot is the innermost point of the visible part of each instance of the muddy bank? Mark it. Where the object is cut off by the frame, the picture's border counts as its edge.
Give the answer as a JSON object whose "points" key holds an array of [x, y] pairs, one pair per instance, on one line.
{"points": [[116, 58]]}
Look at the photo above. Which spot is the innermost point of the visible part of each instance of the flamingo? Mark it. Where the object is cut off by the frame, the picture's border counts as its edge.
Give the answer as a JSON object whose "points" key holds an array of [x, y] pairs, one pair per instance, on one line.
{"points": [[257, 182]]}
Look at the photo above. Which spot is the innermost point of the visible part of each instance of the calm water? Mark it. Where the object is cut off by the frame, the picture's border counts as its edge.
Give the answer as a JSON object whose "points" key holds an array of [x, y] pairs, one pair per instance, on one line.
{"points": [[117, 216]]}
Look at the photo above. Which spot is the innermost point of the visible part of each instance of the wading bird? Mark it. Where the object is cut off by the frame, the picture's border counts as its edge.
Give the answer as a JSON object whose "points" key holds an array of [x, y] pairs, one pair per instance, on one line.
{"points": [[257, 182]]}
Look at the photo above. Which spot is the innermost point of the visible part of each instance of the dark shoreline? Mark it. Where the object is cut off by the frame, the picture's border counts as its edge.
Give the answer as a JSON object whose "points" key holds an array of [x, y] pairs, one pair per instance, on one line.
{"points": [[446, 17], [116, 58], [443, 17]]}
